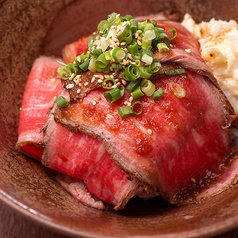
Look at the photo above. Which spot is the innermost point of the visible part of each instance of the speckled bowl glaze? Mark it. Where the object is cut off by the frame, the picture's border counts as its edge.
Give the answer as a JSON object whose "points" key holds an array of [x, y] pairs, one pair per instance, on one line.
{"points": [[30, 28]]}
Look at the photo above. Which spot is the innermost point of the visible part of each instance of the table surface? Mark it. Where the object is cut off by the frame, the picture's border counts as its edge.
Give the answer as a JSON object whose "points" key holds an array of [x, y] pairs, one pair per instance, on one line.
{"points": [[14, 225]]}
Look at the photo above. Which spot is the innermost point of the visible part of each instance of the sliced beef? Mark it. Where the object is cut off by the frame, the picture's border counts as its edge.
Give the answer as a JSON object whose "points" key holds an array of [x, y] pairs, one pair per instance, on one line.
{"points": [[74, 49], [188, 143], [42, 86], [77, 189], [83, 157]]}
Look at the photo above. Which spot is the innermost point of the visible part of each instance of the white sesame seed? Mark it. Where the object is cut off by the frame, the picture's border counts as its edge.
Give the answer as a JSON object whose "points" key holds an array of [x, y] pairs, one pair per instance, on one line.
{"points": [[72, 76], [194, 180], [79, 59], [106, 76], [69, 86], [125, 102], [97, 38], [188, 50], [85, 84], [136, 35], [123, 43], [101, 76], [124, 62], [114, 39], [149, 132], [78, 91], [96, 76], [53, 80], [118, 84], [54, 98], [91, 42], [139, 31], [100, 81], [118, 15], [131, 99], [93, 79], [138, 42], [129, 104], [139, 38], [123, 82], [114, 86], [80, 84], [94, 103], [117, 80]]}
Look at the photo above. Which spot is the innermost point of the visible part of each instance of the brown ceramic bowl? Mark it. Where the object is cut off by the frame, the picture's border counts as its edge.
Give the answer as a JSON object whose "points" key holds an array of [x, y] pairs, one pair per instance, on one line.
{"points": [[31, 28]]}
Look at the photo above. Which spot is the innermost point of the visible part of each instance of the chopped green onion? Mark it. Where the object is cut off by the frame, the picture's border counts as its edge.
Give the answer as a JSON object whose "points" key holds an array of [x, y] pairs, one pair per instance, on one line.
{"points": [[63, 72], [83, 57], [144, 73], [128, 17], [150, 34], [134, 104], [145, 43], [128, 38], [112, 95], [101, 63], [156, 65], [108, 83], [97, 52], [122, 89], [148, 89], [147, 59], [111, 33], [133, 49], [141, 25], [154, 23], [174, 33], [149, 26], [124, 33], [158, 94], [133, 85], [108, 55], [175, 71], [91, 65], [178, 91], [132, 72], [103, 25], [125, 111], [134, 25], [118, 54], [137, 93], [162, 47], [61, 101], [84, 65]]}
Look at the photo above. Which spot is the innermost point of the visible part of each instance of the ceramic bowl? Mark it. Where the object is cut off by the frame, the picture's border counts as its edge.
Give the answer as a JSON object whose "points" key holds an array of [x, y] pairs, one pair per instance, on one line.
{"points": [[30, 28]]}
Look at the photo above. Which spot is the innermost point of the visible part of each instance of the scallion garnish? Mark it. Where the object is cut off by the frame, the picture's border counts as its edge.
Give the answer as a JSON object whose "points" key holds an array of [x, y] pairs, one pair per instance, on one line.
{"points": [[108, 83], [134, 104], [61, 101], [125, 111], [112, 95], [132, 72], [148, 88], [175, 71], [137, 93], [133, 85], [157, 95], [178, 91], [122, 44]]}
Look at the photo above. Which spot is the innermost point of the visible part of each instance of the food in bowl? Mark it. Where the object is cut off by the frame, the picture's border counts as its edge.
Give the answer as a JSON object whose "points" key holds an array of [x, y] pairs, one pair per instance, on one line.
{"points": [[140, 112]]}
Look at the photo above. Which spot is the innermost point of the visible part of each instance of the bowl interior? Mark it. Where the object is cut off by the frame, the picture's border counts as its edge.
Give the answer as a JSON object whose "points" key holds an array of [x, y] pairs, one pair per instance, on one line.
{"points": [[32, 28]]}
